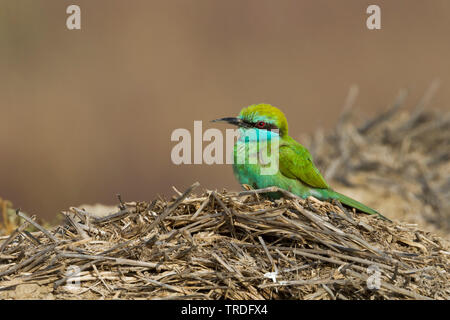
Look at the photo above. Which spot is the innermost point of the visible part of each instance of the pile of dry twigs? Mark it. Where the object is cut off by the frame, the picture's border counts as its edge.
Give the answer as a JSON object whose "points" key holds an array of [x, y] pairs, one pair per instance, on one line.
{"points": [[222, 245], [397, 161]]}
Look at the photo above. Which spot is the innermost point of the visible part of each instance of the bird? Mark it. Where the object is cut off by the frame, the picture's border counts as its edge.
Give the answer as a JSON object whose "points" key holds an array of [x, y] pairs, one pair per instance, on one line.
{"points": [[262, 126]]}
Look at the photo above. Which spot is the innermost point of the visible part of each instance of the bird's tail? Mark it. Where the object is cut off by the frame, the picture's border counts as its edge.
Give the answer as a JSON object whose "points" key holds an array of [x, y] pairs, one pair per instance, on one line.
{"points": [[355, 204]]}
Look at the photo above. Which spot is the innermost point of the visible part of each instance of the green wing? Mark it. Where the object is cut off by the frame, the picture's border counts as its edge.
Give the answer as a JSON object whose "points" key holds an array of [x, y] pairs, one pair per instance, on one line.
{"points": [[296, 163]]}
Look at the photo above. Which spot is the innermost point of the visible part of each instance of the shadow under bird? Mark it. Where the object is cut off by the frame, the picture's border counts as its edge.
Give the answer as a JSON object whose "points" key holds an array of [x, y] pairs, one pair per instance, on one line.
{"points": [[261, 125]]}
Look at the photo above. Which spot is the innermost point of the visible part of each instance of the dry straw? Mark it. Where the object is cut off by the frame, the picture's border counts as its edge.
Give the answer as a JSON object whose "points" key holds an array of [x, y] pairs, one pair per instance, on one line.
{"points": [[225, 245]]}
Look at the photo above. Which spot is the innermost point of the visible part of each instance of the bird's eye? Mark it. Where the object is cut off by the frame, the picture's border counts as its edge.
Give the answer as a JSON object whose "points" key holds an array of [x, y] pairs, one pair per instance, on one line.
{"points": [[261, 124]]}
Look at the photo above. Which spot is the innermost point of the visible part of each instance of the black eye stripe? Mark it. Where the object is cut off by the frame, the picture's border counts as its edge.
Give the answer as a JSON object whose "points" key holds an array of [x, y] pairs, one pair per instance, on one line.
{"points": [[267, 126]]}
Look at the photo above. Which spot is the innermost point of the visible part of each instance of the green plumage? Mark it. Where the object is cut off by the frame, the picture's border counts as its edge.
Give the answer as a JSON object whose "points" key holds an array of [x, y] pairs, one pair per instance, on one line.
{"points": [[297, 172]]}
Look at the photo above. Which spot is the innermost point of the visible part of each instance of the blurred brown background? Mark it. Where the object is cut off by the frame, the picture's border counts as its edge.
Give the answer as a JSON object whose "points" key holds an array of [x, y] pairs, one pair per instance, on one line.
{"points": [[88, 114]]}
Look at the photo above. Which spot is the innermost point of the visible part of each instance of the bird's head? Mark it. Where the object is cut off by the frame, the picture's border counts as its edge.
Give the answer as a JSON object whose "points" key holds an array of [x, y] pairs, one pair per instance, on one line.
{"points": [[260, 117]]}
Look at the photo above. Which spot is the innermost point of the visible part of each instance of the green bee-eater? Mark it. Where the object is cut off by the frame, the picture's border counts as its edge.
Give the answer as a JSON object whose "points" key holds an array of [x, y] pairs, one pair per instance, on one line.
{"points": [[262, 125]]}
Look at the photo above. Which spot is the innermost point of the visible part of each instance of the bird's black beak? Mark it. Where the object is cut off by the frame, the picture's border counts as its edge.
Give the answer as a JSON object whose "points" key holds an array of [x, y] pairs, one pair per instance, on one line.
{"points": [[234, 121]]}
